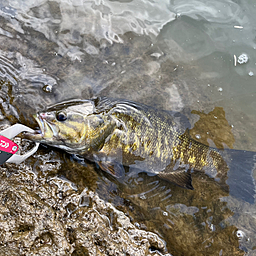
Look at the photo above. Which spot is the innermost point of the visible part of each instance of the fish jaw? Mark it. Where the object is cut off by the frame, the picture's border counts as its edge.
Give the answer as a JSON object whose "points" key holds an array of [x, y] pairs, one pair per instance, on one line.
{"points": [[45, 133]]}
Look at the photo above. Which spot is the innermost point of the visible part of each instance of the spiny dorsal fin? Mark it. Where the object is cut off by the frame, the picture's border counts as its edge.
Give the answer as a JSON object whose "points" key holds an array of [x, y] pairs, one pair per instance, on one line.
{"points": [[180, 177]]}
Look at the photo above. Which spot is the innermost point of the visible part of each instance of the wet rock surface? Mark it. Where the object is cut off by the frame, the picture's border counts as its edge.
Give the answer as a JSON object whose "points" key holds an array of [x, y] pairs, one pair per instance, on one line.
{"points": [[42, 214]]}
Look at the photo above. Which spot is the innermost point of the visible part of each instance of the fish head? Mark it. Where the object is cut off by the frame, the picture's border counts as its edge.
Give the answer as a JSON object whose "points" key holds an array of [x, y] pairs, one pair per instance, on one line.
{"points": [[70, 125]]}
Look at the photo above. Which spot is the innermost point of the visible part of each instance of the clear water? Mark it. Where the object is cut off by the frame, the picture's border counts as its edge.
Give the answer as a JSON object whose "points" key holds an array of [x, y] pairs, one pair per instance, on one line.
{"points": [[174, 55]]}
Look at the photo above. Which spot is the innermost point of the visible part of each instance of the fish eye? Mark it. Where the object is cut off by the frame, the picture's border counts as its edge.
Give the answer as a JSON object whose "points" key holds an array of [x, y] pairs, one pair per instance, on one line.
{"points": [[61, 116]]}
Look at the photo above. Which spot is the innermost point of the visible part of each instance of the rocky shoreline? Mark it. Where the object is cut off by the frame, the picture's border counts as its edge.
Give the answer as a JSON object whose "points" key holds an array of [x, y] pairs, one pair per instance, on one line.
{"points": [[48, 215]]}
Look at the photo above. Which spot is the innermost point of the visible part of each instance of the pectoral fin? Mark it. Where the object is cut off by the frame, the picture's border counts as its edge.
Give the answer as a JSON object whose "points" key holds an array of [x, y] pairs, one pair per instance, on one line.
{"points": [[115, 169], [180, 177]]}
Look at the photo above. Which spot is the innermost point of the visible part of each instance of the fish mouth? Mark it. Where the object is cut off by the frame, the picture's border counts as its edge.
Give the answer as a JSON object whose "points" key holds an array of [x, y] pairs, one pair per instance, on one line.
{"points": [[44, 133]]}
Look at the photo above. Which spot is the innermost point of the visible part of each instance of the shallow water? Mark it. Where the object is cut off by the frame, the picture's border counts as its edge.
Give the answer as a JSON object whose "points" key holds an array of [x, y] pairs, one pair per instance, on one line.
{"points": [[173, 55]]}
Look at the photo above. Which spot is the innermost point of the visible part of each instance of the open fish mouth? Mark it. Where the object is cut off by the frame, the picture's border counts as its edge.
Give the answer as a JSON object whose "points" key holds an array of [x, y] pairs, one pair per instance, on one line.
{"points": [[45, 130]]}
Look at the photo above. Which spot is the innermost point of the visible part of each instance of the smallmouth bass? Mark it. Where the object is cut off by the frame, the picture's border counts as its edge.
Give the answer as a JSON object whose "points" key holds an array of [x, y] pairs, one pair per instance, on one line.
{"points": [[116, 133]]}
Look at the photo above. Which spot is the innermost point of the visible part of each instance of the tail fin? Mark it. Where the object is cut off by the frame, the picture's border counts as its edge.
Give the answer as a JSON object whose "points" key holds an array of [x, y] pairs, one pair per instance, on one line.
{"points": [[240, 175]]}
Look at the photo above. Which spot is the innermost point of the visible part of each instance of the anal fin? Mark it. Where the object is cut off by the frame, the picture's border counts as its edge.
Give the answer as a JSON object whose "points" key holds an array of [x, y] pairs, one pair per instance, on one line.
{"points": [[180, 177], [115, 169]]}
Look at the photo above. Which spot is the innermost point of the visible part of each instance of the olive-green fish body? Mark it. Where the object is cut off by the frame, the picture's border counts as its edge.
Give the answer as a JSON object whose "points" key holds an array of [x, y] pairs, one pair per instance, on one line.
{"points": [[114, 133], [117, 133]]}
